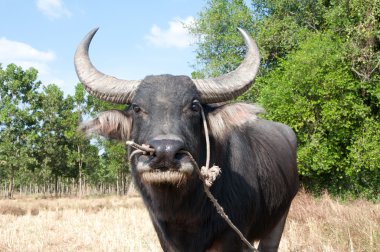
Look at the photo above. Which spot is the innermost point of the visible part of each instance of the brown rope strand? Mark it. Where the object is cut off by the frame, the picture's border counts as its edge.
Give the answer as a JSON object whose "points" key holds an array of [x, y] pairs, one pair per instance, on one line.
{"points": [[143, 147]]}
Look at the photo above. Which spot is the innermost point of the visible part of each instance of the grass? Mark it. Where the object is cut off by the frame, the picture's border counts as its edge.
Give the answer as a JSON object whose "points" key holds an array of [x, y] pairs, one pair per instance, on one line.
{"points": [[122, 224], [327, 225]]}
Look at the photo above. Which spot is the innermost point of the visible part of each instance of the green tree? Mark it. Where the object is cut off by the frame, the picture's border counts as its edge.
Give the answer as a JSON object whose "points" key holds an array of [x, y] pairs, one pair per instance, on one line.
{"points": [[18, 96], [320, 75], [220, 47], [78, 143], [114, 167], [111, 166], [54, 146], [116, 158], [281, 26], [39, 140], [315, 92]]}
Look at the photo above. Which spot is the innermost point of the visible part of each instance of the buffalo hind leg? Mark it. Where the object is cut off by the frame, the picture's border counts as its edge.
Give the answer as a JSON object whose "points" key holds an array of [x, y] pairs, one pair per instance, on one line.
{"points": [[271, 242]]}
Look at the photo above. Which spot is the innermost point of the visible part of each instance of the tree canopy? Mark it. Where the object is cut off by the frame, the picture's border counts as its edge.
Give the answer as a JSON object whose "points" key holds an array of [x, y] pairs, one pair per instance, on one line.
{"points": [[39, 141], [319, 75]]}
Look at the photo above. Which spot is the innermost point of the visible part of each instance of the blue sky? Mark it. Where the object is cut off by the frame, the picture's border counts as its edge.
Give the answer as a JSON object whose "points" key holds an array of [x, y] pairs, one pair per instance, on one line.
{"points": [[135, 39]]}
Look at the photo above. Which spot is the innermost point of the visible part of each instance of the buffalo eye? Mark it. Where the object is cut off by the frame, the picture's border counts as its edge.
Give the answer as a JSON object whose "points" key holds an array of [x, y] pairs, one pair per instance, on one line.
{"points": [[196, 106], [136, 108]]}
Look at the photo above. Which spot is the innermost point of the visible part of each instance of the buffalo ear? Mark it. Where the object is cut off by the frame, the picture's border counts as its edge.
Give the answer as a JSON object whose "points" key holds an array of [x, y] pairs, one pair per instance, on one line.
{"points": [[112, 124], [229, 117]]}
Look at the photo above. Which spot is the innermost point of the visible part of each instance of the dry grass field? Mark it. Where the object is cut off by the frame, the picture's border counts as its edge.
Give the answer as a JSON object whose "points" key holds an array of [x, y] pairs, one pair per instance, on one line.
{"points": [[122, 224]]}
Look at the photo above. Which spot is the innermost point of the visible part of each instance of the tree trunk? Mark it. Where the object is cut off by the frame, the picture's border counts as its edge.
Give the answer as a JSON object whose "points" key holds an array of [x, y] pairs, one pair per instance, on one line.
{"points": [[56, 186], [80, 164], [11, 184], [117, 183]]}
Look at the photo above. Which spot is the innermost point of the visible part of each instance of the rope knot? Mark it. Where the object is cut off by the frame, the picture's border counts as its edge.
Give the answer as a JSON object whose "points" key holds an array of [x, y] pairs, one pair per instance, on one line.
{"points": [[210, 174]]}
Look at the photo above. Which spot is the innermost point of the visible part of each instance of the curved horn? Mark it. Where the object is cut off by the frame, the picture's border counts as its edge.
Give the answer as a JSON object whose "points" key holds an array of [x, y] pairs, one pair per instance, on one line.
{"points": [[231, 85], [102, 86]]}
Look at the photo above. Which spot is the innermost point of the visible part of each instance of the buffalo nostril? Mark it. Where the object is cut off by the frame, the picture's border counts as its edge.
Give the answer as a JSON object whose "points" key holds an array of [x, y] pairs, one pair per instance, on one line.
{"points": [[166, 150]]}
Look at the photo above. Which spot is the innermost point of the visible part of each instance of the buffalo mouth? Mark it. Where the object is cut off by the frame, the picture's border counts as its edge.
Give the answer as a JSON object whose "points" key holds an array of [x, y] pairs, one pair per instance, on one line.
{"points": [[175, 172]]}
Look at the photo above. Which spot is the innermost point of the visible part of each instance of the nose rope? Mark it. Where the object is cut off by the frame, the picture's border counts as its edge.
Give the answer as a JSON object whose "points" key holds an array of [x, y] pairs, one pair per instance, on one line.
{"points": [[216, 204], [207, 175]]}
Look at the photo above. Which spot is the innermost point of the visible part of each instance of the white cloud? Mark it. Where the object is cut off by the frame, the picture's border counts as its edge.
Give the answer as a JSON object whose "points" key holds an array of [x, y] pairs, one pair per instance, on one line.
{"points": [[53, 8], [26, 56], [175, 36], [23, 54]]}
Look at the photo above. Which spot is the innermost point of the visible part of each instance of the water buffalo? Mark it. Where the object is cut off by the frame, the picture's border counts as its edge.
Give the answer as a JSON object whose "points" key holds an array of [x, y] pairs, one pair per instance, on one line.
{"points": [[257, 157]]}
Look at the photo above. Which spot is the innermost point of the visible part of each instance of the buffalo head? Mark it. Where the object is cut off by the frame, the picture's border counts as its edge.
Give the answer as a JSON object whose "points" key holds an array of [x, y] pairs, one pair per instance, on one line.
{"points": [[163, 112]]}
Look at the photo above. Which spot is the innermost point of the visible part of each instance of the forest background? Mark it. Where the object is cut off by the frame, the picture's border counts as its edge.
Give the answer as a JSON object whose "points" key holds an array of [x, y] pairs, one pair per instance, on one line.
{"points": [[320, 75]]}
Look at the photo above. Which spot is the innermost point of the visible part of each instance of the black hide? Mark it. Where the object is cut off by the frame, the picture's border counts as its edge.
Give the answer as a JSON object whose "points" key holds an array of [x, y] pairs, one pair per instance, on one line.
{"points": [[257, 157]]}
